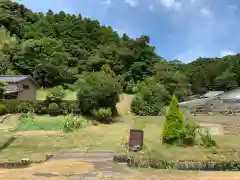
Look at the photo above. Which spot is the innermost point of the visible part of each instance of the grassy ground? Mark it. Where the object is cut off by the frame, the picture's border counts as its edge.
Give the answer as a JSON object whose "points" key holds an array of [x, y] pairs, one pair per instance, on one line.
{"points": [[41, 123], [42, 93], [111, 137]]}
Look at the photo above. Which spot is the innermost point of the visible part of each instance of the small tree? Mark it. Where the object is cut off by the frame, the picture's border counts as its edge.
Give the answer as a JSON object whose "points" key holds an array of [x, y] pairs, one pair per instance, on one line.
{"points": [[56, 94], [97, 90], [151, 98], [174, 124]]}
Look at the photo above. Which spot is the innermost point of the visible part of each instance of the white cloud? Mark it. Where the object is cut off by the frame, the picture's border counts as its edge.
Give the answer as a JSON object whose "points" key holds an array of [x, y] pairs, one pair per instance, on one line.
{"points": [[173, 4], [226, 53], [107, 2], [132, 3], [151, 7], [206, 12]]}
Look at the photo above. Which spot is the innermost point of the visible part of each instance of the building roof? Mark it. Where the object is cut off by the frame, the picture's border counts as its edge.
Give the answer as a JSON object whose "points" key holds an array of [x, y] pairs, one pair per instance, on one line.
{"points": [[195, 103], [12, 88], [16, 78], [232, 94], [212, 94]]}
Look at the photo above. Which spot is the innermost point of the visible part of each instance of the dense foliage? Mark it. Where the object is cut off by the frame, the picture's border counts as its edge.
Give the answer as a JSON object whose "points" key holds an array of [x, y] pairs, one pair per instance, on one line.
{"points": [[55, 48], [150, 99], [97, 90]]}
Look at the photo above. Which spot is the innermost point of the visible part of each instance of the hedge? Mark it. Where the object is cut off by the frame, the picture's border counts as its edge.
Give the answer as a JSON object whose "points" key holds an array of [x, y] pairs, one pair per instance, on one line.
{"points": [[193, 165], [39, 107]]}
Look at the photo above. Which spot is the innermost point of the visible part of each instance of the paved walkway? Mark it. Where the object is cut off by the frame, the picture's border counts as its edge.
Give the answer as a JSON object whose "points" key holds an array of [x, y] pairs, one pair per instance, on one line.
{"points": [[102, 162]]}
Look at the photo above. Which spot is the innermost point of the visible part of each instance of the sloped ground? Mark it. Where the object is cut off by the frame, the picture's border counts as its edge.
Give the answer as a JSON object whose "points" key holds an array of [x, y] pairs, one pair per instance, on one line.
{"points": [[124, 105]]}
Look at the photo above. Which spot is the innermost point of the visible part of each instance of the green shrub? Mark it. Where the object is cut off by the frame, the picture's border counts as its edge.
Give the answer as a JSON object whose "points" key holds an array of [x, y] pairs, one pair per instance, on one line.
{"points": [[56, 94], [102, 113], [3, 86], [25, 107], [190, 133], [73, 123], [64, 108], [53, 109], [173, 129], [97, 90], [130, 87], [15, 106], [39, 107], [2, 109], [207, 140], [150, 100]]}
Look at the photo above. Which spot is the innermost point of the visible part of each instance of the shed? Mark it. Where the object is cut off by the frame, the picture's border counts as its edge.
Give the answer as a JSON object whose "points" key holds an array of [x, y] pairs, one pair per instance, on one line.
{"points": [[21, 87]]}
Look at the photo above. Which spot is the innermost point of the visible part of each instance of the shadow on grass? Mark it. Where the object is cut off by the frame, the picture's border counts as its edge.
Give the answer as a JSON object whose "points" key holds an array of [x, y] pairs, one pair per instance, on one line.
{"points": [[7, 143]]}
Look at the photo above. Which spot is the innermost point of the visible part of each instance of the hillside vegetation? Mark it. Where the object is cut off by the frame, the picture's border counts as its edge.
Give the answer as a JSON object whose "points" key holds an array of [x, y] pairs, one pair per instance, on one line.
{"points": [[57, 48]]}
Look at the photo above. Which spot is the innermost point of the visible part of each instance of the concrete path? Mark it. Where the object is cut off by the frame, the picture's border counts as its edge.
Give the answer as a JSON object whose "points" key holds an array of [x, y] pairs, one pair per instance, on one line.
{"points": [[102, 162]]}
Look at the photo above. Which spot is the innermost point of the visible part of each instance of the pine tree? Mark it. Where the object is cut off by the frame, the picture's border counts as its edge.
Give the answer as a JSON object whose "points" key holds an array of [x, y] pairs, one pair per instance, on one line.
{"points": [[174, 124]]}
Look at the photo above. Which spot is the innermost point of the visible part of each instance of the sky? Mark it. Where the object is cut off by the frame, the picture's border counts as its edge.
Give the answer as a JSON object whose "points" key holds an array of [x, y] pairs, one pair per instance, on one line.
{"points": [[179, 29]]}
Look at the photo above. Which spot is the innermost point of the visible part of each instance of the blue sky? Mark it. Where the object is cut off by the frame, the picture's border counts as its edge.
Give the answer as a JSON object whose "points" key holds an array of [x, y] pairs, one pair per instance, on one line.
{"points": [[180, 29]]}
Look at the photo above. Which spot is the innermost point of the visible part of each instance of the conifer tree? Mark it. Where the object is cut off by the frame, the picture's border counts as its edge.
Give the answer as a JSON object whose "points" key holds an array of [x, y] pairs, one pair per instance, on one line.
{"points": [[174, 123]]}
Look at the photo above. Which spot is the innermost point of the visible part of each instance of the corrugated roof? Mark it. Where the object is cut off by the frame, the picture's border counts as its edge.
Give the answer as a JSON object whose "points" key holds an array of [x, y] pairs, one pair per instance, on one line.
{"points": [[13, 79], [212, 94], [232, 94], [195, 103]]}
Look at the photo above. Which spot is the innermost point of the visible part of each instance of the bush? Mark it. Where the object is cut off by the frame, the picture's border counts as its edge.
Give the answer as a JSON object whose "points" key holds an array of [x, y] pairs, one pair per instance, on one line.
{"points": [[178, 131], [130, 87], [56, 94], [102, 113], [2, 109], [3, 86], [141, 161], [72, 123], [150, 100], [25, 107], [16, 106], [190, 133], [173, 129], [53, 109], [39, 107], [97, 90], [207, 140]]}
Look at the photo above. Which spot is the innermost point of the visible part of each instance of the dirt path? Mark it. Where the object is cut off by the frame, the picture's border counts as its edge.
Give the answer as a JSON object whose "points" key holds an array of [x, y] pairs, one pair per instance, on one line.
{"points": [[124, 105]]}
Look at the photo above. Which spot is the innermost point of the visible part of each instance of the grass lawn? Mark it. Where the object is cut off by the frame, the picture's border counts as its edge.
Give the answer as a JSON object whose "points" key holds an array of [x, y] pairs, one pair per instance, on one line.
{"points": [[108, 137], [42, 93], [42, 123]]}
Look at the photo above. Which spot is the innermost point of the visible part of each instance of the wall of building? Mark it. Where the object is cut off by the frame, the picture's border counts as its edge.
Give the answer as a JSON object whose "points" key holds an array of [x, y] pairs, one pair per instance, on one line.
{"points": [[27, 93]]}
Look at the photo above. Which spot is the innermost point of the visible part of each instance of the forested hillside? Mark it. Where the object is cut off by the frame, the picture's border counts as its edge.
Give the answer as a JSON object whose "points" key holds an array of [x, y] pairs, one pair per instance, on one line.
{"points": [[56, 48]]}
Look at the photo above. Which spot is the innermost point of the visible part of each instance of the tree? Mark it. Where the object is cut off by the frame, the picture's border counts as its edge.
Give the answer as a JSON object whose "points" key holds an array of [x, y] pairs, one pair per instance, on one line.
{"points": [[97, 90], [44, 59], [174, 124], [151, 98], [226, 81]]}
